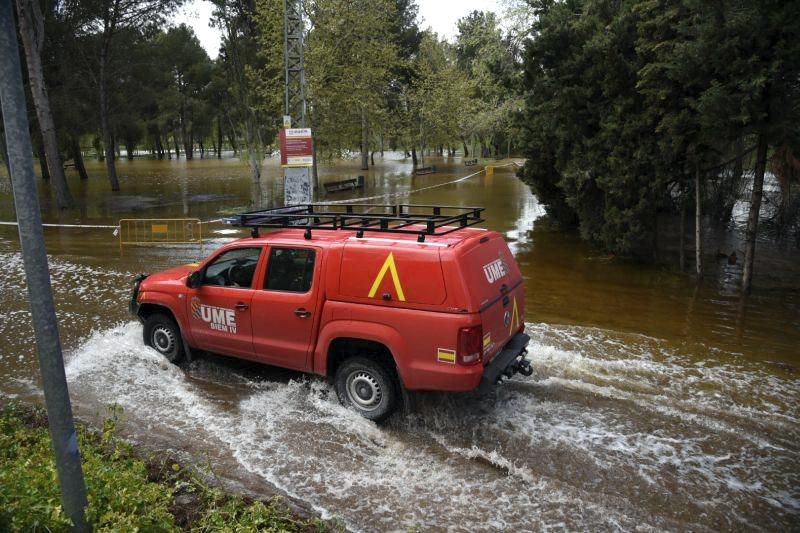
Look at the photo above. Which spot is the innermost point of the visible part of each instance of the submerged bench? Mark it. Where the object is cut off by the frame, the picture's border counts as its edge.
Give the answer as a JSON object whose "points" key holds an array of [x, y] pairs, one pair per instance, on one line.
{"points": [[344, 185], [425, 170], [470, 162]]}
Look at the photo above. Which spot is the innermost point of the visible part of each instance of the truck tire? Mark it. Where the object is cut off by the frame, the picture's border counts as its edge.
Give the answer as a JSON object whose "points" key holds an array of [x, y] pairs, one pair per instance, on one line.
{"points": [[367, 386], [163, 335]]}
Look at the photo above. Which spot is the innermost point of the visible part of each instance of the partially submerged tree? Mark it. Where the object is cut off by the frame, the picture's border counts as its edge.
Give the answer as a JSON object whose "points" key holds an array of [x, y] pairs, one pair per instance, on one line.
{"points": [[631, 105], [107, 19], [239, 59], [31, 29], [350, 59], [190, 74]]}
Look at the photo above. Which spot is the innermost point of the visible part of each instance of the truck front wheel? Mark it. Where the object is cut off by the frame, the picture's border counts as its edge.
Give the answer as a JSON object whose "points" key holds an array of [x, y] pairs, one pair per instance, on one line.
{"points": [[162, 334], [367, 386]]}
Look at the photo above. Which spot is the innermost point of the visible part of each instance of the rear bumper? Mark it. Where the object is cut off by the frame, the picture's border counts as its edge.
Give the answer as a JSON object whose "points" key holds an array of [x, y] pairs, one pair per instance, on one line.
{"points": [[506, 362]]}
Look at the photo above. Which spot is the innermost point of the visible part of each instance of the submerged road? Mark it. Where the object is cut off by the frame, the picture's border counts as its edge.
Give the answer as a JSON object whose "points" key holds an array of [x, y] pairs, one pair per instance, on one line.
{"points": [[651, 406]]}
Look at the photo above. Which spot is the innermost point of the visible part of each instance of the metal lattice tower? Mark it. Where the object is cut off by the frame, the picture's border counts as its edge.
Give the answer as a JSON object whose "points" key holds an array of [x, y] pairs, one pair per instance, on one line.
{"points": [[294, 73]]}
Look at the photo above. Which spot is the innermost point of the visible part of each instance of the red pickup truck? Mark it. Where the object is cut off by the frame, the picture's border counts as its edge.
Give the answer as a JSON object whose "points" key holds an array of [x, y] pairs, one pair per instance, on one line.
{"points": [[412, 297]]}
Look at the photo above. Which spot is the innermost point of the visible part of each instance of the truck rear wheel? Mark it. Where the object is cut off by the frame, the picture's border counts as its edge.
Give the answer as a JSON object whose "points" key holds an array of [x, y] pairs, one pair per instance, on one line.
{"points": [[163, 335], [367, 386]]}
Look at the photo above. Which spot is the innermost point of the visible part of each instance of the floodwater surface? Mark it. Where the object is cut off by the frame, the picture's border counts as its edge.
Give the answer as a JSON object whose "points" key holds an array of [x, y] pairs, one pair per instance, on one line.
{"points": [[655, 404]]}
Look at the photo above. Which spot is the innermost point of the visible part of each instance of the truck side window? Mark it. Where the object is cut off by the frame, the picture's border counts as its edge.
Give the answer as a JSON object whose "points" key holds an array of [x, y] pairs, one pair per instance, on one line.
{"points": [[290, 269], [234, 268]]}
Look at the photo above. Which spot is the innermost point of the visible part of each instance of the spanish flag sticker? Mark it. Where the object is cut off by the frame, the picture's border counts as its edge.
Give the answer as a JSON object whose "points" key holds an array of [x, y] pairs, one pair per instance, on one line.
{"points": [[446, 356]]}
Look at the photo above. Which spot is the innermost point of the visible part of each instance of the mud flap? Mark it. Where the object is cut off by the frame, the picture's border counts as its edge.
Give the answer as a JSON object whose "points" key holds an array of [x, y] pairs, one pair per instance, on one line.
{"points": [[133, 305], [409, 401], [507, 361], [188, 354]]}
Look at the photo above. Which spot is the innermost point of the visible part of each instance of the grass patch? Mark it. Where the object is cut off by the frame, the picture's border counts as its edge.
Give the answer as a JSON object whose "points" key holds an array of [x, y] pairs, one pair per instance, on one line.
{"points": [[125, 492]]}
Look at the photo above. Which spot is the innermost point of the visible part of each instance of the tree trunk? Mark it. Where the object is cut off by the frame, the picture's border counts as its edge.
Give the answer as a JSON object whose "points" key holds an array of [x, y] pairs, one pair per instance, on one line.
{"points": [[364, 140], [372, 158], [251, 136], [189, 147], [40, 155], [698, 222], [159, 146], [130, 149], [314, 166], [414, 157], [31, 29], [184, 136], [105, 125], [682, 236], [177, 146], [202, 150], [108, 141], [752, 218], [466, 151], [730, 193], [219, 138], [77, 157], [232, 140]]}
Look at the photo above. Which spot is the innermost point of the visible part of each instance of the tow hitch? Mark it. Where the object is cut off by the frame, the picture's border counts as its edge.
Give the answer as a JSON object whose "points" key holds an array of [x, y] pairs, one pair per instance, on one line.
{"points": [[521, 365], [509, 361]]}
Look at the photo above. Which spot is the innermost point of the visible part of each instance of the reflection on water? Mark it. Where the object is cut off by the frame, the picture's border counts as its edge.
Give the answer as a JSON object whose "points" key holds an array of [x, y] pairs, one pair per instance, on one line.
{"points": [[655, 403]]}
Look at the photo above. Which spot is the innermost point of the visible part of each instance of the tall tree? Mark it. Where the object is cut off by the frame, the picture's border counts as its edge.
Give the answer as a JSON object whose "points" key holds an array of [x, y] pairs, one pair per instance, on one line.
{"points": [[350, 60], [190, 73], [239, 59], [630, 104], [107, 19], [440, 94], [31, 28], [491, 62]]}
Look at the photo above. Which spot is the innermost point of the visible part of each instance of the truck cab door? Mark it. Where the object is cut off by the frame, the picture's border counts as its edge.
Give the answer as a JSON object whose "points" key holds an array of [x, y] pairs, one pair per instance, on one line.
{"points": [[219, 308], [284, 309]]}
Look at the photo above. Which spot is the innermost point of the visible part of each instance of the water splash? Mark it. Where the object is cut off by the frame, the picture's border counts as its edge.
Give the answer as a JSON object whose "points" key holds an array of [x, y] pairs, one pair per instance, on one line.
{"points": [[611, 432]]}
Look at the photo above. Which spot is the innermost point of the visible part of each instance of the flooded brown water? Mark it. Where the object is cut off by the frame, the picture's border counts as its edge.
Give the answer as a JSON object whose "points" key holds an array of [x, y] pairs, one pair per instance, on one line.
{"points": [[655, 404]]}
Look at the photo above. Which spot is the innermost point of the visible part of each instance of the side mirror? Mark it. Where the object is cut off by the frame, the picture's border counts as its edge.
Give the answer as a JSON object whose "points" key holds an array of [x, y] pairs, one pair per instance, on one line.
{"points": [[193, 281]]}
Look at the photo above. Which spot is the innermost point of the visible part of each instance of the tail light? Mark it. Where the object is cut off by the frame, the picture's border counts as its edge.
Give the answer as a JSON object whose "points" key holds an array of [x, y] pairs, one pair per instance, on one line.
{"points": [[470, 345]]}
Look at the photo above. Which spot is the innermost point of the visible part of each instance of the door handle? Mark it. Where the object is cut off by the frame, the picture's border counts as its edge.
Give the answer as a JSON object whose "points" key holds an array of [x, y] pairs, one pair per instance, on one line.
{"points": [[241, 306], [302, 313]]}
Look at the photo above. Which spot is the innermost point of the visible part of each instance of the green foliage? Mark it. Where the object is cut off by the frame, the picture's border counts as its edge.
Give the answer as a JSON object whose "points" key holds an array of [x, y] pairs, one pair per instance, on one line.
{"points": [[625, 101], [350, 58], [488, 60], [119, 496], [123, 494], [440, 94], [269, 79]]}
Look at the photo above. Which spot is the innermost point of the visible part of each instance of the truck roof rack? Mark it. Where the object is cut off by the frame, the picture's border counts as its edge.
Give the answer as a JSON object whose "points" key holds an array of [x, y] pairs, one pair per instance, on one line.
{"points": [[386, 218]]}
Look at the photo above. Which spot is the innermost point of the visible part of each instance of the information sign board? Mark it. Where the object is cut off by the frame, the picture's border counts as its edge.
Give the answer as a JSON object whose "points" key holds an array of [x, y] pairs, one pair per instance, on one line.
{"points": [[297, 148]]}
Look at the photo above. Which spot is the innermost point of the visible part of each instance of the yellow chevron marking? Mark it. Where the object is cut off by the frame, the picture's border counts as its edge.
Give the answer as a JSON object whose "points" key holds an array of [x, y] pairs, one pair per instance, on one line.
{"points": [[388, 265], [514, 318]]}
